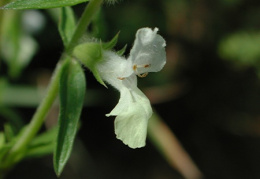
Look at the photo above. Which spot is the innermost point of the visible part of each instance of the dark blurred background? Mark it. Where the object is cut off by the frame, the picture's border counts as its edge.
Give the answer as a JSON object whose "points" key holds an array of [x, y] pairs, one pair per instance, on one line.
{"points": [[212, 98]]}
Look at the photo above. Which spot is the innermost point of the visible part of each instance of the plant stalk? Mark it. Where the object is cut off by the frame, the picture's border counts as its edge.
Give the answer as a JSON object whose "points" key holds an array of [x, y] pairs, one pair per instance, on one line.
{"points": [[38, 118], [84, 21], [16, 153]]}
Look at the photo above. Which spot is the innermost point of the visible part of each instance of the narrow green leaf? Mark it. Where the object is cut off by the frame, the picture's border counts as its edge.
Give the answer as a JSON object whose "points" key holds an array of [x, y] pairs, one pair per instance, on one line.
{"points": [[111, 44], [39, 151], [43, 144], [122, 51], [90, 54], [45, 138], [72, 92], [41, 4], [67, 24]]}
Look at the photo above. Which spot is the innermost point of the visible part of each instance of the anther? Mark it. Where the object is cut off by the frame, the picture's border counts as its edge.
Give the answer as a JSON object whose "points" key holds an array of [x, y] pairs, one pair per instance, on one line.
{"points": [[134, 67], [142, 75], [120, 78]]}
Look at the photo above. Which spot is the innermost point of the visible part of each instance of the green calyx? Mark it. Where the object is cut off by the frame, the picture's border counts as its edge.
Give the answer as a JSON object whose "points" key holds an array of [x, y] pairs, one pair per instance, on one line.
{"points": [[89, 54]]}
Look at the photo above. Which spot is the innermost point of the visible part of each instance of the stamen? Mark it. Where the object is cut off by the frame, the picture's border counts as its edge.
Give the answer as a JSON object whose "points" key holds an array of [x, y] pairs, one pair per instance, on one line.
{"points": [[120, 78], [140, 66], [142, 75], [134, 67]]}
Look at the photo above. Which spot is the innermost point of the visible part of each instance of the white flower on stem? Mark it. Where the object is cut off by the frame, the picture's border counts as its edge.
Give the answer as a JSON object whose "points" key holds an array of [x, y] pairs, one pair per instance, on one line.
{"points": [[133, 109]]}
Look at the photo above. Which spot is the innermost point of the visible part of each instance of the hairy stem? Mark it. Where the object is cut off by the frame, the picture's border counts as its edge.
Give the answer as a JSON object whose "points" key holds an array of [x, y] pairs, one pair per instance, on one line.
{"points": [[84, 21]]}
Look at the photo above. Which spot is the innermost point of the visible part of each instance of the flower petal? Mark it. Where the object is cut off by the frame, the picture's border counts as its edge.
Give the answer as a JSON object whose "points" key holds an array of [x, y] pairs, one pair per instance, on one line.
{"points": [[133, 112], [129, 94], [131, 126], [148, 53], [124, 102], [113, 68]]}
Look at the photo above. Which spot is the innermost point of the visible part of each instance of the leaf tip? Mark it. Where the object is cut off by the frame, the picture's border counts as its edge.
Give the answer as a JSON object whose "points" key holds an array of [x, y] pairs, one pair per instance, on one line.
{"points": [[101, 82], [104, 84], [57, 165], [58, 172]]}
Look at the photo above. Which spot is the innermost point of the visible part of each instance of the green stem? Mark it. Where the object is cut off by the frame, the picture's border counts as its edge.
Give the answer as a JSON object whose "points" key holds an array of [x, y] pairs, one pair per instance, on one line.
{"points": [[52, 92], [84, 21], [37, 120]]}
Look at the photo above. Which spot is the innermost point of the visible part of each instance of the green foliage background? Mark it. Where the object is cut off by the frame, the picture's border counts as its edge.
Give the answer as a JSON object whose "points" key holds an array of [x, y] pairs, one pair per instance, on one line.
{"points": [[211, 103]]}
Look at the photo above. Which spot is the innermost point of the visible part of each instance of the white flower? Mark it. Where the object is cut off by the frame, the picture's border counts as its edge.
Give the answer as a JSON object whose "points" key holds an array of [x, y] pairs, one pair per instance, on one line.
{"points": [[148, 53], [133, 109]]}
